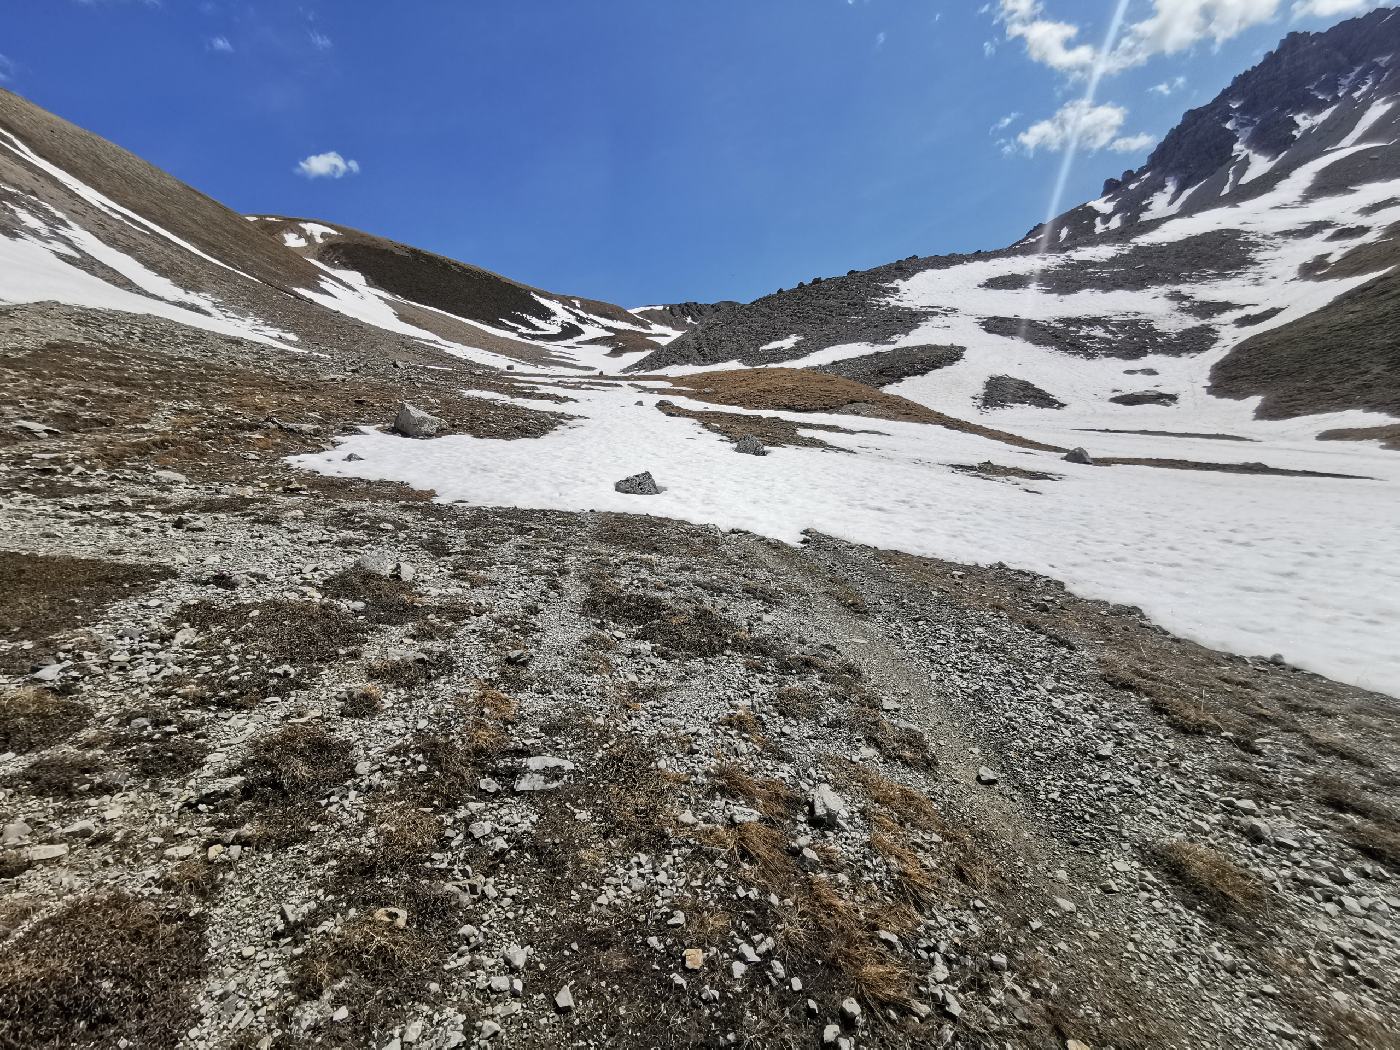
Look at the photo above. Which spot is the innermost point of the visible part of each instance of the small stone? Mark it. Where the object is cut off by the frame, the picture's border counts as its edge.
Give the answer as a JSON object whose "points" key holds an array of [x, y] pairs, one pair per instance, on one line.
{"points": [[564, 999], [1078, 455], [42, 853], [179, 852], [750, 446], [395, 917], [850, 1010], [738, 969], [825, 807], [694, 958], [15, 832], [830, 1034], [677, 918], [1066, 905], [985, 775], [490, 1029], [642, 484]]}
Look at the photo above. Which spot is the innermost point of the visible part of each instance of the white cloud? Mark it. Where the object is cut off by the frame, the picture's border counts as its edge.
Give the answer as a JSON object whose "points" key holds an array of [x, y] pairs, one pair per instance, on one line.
{"points": [[1328, 8], [1169, 87], [1047, 41], [7, 69], [327, 166], [1005, 122], [320, 41], [880, 38], [1132, 143], [221, 44], [1171, 26], [1094, 127]]}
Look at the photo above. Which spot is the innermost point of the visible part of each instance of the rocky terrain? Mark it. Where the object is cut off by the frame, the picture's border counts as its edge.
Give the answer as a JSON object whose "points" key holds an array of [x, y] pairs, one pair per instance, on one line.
{"points": [[394, 655], [290, 762]]}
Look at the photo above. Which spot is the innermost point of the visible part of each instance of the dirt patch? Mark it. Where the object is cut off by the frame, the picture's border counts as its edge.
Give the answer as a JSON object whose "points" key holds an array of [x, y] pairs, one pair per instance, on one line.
{"points": [[800, 390], [41, 596], [1223, 468], [1166, 433], [110, 971], [773, 431], [1388, 435]]}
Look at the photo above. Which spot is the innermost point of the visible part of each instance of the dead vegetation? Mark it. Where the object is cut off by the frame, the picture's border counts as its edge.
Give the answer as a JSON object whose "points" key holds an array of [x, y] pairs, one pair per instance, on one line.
{"points": [[386, 600], [108, 971], [450, 761], [286, 773], [43, 595], [61, 775], [1229, 894], [773, 431], [800, 390], [692, 629], [774, 799], [32, 719]]}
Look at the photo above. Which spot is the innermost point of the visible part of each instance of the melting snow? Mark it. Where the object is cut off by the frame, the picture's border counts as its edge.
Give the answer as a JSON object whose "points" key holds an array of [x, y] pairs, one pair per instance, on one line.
{"points": [[1251, 564]]}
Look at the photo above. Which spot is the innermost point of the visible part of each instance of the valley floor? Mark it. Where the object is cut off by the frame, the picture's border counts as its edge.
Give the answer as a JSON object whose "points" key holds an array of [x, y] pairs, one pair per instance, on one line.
{"points": [[315, 760]]}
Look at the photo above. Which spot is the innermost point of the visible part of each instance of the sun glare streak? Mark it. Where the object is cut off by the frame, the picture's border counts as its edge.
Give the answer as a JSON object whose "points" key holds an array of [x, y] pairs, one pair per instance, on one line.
{"points": [[1091, 90]]}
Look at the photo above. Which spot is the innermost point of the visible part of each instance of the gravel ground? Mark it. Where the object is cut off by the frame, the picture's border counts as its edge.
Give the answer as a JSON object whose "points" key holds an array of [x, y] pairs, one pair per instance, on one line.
{"points": [[285, 764]]}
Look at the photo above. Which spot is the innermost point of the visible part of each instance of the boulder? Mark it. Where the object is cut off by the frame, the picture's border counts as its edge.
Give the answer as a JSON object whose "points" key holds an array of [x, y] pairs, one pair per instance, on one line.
{"points": [[642, 484], [413, 422], [751, 446], [1078, 455]]}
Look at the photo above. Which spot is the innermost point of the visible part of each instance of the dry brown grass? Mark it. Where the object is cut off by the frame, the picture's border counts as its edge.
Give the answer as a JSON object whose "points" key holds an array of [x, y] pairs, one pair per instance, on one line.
{"points": [[906, 745], [692, 630], [31, 719], [1377, 842], [64, 775], [800, 390], [1226, 891], [458, 757], [773, 431], [744, 722], [772, 798], [1183, 707], [100, 971], [41, 595], [409, 672], [361, 701], [915, 884], [387, 601]]}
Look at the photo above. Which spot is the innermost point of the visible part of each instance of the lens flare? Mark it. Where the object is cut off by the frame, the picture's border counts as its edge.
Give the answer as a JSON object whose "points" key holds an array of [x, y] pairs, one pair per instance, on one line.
{"points": [[1091, 90]]}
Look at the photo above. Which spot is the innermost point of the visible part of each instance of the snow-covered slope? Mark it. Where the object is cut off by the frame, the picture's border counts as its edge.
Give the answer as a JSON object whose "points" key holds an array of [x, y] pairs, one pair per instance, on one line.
{"points": [[1154, 304], [84, 222]]}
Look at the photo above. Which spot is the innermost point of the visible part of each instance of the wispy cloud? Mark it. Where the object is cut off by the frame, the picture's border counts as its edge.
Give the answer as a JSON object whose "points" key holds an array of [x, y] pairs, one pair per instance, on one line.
{"points": [[880, 38], [7, 69], [1168, 87], [1005, 122], [329, 165], [1093, 127], [320, 41], [221, 44]]}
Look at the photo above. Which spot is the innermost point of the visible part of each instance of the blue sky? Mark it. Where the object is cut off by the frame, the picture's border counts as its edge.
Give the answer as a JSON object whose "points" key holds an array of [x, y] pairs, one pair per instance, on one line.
{"points": [[642, 151]]}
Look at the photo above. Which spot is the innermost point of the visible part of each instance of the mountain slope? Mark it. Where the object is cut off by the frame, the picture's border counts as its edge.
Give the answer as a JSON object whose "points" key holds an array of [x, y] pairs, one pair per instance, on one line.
{"points": [[83, 221], [1253, 216]]}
